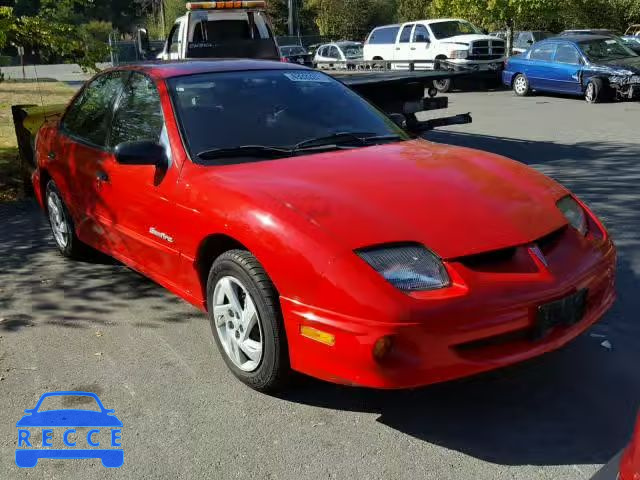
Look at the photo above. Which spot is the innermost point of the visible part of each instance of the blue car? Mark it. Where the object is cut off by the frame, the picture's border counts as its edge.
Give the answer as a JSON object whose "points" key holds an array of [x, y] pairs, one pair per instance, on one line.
{"points": [[68, 418], [597, 67]]}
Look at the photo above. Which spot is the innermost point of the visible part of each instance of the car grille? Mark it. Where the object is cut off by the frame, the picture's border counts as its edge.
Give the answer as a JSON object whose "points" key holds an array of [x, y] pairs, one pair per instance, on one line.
{"points": [[512, 259], [486, 50]]}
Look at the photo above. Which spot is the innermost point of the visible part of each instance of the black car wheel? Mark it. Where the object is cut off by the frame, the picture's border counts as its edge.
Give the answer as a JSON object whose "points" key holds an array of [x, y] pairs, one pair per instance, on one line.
{"points": [[596, 91], [244, 312]]}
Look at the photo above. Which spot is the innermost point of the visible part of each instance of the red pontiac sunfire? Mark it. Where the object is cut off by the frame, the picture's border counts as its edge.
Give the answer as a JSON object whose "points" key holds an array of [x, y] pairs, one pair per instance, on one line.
{"points": [[317, 234]]}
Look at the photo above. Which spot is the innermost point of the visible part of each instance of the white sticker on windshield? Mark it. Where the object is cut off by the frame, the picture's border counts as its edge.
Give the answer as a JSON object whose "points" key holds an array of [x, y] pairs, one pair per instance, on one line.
{"points": [[610, 42], [307, 77]]}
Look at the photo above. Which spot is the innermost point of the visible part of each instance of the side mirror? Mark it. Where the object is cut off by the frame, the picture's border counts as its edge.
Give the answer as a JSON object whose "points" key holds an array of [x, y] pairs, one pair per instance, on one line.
{"points": [[530, 42], [144, 152], [399, 119]]}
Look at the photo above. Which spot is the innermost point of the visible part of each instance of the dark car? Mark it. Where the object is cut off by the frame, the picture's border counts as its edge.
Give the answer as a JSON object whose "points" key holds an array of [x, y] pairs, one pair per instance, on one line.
{"points": [[295, 54], [522, 41], [597, 67]]}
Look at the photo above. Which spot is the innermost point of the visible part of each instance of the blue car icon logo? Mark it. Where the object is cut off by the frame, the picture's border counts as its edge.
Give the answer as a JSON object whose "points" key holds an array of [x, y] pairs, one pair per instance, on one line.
{"points": [[39, 427]]}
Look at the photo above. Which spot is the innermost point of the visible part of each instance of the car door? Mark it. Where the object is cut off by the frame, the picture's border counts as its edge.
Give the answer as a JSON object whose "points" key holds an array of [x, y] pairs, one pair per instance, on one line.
{"points": [[568, 68], [83, 145], [403, 47], [146, 220], [420, 44], [540, 69]]}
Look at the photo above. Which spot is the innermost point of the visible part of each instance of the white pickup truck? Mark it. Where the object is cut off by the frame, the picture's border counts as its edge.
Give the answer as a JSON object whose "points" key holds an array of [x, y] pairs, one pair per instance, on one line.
{"points": [[229, 29], [460, 43]]}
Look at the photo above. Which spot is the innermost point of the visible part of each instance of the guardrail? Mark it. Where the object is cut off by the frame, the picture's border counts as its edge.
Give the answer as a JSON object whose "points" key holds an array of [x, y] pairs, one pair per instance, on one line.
{"points": [[406, 65]]}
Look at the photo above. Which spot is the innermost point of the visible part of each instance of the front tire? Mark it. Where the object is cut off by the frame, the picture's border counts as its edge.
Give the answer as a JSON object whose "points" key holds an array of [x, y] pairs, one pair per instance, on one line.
{"points": [[246, 322], [596, 91], [62, 227]]}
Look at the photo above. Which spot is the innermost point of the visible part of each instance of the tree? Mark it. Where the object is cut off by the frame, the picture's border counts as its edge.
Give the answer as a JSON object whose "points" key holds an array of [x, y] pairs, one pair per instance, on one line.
{"points": [[52, 33], [408, 10]]}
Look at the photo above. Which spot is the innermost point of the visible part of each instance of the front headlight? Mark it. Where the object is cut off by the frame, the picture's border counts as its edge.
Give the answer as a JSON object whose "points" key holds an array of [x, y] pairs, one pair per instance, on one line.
{"points": [[574, 214], [458, 54], [407, 267]]}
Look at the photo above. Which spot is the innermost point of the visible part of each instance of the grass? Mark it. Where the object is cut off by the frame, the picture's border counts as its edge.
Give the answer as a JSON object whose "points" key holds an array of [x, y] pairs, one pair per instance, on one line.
{"points": [[14, 93]]}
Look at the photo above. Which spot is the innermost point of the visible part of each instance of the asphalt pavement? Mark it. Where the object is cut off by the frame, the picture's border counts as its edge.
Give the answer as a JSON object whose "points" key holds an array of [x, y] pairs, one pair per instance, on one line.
{"points": [[101, 327]]}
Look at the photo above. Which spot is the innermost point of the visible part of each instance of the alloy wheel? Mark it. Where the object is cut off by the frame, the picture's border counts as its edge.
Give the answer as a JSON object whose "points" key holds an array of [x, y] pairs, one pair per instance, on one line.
{"points": [[520, 85], [590, 93], [238, 324], [58, 220]]}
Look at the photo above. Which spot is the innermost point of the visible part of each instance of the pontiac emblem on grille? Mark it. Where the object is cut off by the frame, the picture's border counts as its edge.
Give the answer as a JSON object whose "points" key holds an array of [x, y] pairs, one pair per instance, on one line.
{"points": [[534, 249]]}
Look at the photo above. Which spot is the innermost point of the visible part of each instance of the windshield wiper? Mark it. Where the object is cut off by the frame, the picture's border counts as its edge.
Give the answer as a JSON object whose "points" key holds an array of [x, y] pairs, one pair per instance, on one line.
{"points": [[260, 151], [362, 138]]}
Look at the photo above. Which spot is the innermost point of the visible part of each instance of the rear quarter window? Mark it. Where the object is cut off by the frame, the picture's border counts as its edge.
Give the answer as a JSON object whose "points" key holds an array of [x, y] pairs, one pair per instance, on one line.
{"points": [[383, 35]]}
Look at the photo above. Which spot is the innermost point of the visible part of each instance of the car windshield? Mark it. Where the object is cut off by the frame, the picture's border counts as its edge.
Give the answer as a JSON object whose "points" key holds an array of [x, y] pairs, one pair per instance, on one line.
{"points": [[452, 28], [293, 51], [352, 51], [605, 49], [270, 111]]}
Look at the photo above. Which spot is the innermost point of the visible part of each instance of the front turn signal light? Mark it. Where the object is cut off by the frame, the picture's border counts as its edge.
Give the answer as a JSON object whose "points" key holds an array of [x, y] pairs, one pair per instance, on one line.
{"points": [[318, 335]]}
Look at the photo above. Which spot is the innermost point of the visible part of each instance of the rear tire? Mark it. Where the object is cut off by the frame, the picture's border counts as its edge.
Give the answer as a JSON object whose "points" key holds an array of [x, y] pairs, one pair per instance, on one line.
{"points": [[442, 86], [520, 85], [253, 345]]}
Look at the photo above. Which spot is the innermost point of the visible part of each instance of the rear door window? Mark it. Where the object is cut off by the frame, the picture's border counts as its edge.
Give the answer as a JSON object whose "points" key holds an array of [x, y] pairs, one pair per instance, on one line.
{"points": [[567, 54], [405, 35], [88, 119]]}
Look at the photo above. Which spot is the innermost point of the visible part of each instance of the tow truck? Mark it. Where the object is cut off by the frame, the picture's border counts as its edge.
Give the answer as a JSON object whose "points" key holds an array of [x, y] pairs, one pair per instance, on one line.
{"points": [[242, 29]]}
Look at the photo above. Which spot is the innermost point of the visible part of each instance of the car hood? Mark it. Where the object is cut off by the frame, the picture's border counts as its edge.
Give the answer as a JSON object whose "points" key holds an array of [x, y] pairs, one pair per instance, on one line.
{"points": [[630, 63], [69, 418], [467, 39], [454, 200]]}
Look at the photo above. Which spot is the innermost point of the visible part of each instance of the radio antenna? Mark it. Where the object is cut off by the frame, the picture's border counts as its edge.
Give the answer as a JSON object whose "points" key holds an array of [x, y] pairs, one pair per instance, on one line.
{"points": [[35, 71]]}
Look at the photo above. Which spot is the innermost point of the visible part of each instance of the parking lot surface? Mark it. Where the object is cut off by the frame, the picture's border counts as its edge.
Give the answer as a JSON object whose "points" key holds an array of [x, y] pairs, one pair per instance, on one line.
{"points": [[103, 328]]}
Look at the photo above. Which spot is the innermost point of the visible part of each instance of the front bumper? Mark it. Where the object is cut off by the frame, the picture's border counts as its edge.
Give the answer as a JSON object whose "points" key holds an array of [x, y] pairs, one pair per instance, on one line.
{"points": [[484, 324]]}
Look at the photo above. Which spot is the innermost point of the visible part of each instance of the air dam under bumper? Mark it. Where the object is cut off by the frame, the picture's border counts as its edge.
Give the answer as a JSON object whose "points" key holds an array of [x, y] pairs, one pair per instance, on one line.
{"points": [[487, 327]]}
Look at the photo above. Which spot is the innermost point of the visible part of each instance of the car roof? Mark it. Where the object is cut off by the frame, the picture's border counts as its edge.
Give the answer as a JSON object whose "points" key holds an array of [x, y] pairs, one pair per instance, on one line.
{"points": [[345, 43], [577, 38], [180, 68]]}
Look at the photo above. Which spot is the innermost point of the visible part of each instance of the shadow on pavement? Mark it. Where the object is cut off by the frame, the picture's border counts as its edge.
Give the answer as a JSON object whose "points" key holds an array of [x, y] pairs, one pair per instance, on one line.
{"points": [[40, 286], [573, 406]]}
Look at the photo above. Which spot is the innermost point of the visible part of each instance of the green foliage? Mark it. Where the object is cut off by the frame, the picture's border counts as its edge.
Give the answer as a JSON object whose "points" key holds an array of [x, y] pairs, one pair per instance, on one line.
{"points": [[351, 19], [53, 33], [409, 10]]}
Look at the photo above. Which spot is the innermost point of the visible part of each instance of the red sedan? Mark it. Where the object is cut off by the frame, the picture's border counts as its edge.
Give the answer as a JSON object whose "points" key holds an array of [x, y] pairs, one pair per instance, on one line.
{"points": [[317, 234]]}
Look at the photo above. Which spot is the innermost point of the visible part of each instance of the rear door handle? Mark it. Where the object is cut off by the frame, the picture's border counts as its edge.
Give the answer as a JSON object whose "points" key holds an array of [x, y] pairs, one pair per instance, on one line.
{"points": [[413, 48], [102, 177]]}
